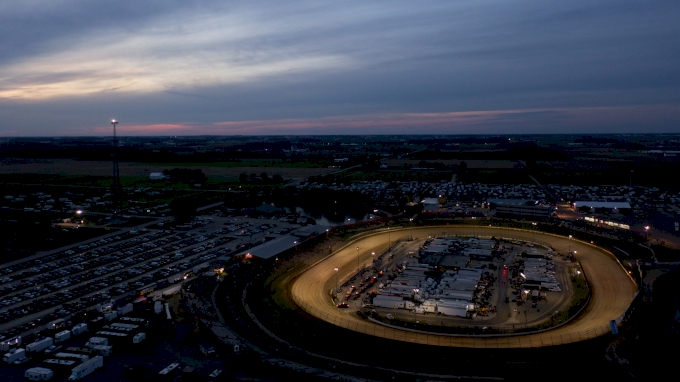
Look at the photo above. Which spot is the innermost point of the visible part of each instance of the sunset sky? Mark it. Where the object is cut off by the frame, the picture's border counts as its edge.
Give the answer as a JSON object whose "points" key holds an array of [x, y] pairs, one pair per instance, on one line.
{"points": [[353, 67]]}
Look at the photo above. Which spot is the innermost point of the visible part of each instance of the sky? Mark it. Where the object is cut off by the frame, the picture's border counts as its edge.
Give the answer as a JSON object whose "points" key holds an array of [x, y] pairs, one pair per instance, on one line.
{"points": [[181, 67]]}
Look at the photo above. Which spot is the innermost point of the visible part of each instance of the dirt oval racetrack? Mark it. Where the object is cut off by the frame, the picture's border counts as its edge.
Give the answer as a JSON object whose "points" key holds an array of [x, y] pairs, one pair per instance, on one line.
{"points": [[612, 290]]}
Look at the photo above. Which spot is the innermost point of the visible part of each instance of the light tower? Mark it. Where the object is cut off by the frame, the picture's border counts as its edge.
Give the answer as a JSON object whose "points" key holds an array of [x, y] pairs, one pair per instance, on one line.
{"points": [[116, 189]]}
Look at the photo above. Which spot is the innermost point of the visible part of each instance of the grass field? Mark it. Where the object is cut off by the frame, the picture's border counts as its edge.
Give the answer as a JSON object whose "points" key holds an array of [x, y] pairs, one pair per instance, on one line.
{"points": [[273, 163], [218, 170], [396, 176]]}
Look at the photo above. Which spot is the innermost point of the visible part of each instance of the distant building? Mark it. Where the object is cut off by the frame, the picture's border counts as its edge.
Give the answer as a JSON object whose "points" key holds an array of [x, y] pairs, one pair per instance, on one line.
{"points": [[520, 208], [156, 176], [268, 209], [431, 204], [622, 208], [340, 160]]}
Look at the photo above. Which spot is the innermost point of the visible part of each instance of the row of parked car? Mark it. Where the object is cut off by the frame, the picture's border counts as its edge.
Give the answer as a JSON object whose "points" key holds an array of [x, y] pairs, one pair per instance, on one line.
{"points": [[91, 292], [73, 273]]}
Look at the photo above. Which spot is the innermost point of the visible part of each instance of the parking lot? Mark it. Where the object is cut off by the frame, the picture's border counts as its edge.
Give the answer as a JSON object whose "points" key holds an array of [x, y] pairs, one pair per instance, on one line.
{"points": [[57, 285]]}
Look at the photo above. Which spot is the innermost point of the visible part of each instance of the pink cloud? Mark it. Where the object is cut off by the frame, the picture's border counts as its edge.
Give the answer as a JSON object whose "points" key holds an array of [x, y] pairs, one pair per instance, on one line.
{"points": [[543, 120]]}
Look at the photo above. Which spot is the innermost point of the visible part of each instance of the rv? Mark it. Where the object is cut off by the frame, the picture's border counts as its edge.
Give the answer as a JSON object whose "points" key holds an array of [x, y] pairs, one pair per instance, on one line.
{"points": [[134, 320], [86, 368], [79, 329], [14, 355], [86, 351], [103, 350], [39, 345], [62, 336], [38, 374], [169, 369], [80, 357], [97, 341], [139, 337]]}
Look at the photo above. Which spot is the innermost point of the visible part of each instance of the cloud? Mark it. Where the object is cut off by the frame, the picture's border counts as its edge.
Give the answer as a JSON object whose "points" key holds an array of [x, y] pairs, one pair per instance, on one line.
{"points": [[76, 63], [520, 121]]}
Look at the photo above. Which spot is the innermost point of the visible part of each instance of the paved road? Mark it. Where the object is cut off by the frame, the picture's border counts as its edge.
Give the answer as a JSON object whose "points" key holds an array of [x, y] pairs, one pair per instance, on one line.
{"points": [[613, 290]]}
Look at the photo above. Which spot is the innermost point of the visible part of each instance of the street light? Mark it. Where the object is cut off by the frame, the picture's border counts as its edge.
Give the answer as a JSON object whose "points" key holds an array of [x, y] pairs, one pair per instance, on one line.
{"points": [[373, 257], [569, 244]]}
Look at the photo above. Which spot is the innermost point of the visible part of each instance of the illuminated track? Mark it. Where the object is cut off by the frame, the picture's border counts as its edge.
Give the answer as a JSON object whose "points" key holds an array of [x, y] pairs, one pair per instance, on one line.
{"points": [[612, 290]]}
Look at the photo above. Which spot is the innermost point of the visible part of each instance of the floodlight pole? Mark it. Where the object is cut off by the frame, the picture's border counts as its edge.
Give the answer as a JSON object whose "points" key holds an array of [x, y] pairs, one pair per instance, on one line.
{"points": [[115, 187]]}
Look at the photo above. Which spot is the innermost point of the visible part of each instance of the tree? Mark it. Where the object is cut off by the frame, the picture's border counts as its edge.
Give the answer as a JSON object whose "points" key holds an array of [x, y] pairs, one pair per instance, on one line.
{"points": [[184, 208], [243, 177], [277, 178], [264, 177]]}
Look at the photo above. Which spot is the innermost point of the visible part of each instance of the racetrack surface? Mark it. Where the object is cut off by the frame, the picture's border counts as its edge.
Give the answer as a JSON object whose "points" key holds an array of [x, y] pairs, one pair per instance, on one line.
{"points": [[612, 289]]}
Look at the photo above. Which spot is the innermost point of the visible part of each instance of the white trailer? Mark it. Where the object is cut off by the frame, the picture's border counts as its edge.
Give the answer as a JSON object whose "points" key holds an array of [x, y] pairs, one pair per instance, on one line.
{"points": [[429, 306], [110, 316], [123, 325], [453, 307], [385, 301], [5, 345], [157, 307], [62, 336], [79, 329], [169, 369], [61, 363], [135, 320], [113, 336], [86, 368], [97, 341], [121, 329], [139, 337], [81, 357], [38, 374], [40, 345], [397, 292], [14, 355], [104, 350]]}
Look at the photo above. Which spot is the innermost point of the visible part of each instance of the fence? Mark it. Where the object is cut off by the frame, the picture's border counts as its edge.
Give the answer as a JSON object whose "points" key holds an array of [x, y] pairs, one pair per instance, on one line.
{"points": [[557, 335]]}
